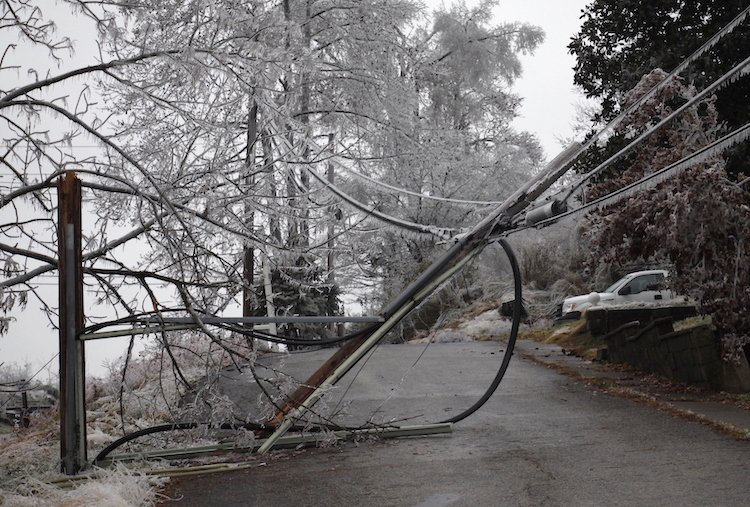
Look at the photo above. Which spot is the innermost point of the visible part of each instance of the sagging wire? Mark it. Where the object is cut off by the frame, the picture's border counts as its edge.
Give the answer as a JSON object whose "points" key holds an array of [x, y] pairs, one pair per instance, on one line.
{"points": [[737, 136], [401, 190], [735, 73], [441, 232]]}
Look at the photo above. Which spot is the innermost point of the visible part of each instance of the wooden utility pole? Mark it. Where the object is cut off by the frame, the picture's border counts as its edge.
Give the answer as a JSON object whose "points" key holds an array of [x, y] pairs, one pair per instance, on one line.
{"points": [[248, 261], [331, 279], [72, 362]]}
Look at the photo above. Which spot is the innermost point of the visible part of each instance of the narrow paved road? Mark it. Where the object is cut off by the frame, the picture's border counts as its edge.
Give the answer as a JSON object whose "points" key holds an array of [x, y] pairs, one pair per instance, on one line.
{"points": [[542, 439]]}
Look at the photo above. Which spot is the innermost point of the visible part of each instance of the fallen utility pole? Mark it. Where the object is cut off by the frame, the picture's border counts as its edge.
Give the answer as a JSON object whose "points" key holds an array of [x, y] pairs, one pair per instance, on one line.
{"points": [[466, 247]]}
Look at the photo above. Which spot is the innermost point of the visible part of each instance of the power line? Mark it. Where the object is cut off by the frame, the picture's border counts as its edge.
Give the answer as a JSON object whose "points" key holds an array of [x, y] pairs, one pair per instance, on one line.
{"points": [[728, 28], [737, 136], [416, 194], [27, 382], [441, 232], [735, 73]]}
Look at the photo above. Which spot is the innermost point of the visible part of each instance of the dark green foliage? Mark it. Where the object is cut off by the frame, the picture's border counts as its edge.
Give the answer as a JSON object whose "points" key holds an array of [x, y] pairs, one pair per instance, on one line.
{"points": [[622, 40]]}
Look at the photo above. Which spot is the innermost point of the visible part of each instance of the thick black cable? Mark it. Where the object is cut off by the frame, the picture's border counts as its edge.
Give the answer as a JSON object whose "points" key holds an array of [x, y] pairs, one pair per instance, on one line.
{"points": [[517, 309], [141, 433]]}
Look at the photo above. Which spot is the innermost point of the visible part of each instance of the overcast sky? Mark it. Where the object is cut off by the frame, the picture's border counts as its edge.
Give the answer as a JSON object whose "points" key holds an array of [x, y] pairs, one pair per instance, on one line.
{"points": [[548, 109], [549, 97]]}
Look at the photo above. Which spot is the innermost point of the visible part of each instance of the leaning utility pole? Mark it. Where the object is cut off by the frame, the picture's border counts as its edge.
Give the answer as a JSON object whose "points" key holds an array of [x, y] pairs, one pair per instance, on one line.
{"points": [[72, 369], [466, 246]]}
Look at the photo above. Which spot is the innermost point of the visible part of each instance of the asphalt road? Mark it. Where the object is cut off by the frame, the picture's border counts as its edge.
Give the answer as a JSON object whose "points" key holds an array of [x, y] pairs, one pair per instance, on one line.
{"points": [[542, 439]]}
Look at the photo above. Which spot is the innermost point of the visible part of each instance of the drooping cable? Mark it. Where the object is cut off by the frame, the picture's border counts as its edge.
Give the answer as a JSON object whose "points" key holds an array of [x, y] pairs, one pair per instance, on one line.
{"points": [[405, 191], [733, 138], [441, 232], [735, 73], [517, 311]]}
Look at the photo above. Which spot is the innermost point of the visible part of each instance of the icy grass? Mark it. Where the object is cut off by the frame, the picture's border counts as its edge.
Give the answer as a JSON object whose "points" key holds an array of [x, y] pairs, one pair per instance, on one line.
{"points": [[114, 488], [29, 458], [29, 467]]}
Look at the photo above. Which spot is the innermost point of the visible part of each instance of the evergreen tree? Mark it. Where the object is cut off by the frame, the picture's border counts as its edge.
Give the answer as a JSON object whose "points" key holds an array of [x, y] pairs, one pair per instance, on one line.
{"points": [[622, 40]]}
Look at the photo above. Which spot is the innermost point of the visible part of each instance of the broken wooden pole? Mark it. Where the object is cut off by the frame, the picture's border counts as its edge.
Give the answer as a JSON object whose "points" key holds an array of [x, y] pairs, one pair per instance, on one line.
{"points": [[72, 361], [340, 364]]}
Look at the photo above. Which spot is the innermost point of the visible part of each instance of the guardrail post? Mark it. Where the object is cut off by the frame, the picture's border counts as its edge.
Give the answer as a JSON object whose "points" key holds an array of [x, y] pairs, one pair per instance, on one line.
{"points": [[72, 400], [25, 409]]}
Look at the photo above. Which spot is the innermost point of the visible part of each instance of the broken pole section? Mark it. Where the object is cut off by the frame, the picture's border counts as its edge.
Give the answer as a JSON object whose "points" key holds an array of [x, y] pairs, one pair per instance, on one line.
{"points": [[72, 407], [341, 362]]}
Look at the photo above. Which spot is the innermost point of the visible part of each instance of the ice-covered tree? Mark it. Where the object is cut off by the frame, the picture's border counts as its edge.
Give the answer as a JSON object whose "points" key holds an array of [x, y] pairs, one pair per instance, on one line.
{"points": [[698, 223]]}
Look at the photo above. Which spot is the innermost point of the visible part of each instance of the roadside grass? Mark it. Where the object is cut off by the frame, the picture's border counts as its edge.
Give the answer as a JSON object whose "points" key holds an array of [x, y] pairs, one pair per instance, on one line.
{"points": [[573, 336], [741, 399], [697, 321]]}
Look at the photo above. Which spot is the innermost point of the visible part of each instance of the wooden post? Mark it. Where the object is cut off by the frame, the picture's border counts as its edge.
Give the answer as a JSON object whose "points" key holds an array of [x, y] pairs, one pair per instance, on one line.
{"points": [[248, 260], [72, 361], [25, 409], [331, 279]]}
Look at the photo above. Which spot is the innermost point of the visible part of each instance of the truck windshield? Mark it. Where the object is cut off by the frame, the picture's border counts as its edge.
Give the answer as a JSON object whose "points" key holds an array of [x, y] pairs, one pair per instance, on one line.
{"points": [[614, 286]]}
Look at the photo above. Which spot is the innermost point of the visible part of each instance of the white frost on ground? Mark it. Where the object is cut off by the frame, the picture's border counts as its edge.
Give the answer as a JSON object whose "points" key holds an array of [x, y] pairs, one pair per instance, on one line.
{"points": [[29, 466], [113, 488], [482, 327]]}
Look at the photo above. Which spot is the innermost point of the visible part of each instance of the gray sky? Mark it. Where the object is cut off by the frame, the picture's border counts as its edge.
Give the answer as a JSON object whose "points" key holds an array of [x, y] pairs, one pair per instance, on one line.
{"points": [[546, 86], [548, 109], [549, 97]]}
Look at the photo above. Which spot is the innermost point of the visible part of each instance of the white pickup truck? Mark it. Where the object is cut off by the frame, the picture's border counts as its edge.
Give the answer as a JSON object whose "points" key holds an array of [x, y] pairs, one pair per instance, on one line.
{"points": [[642, 286]]}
